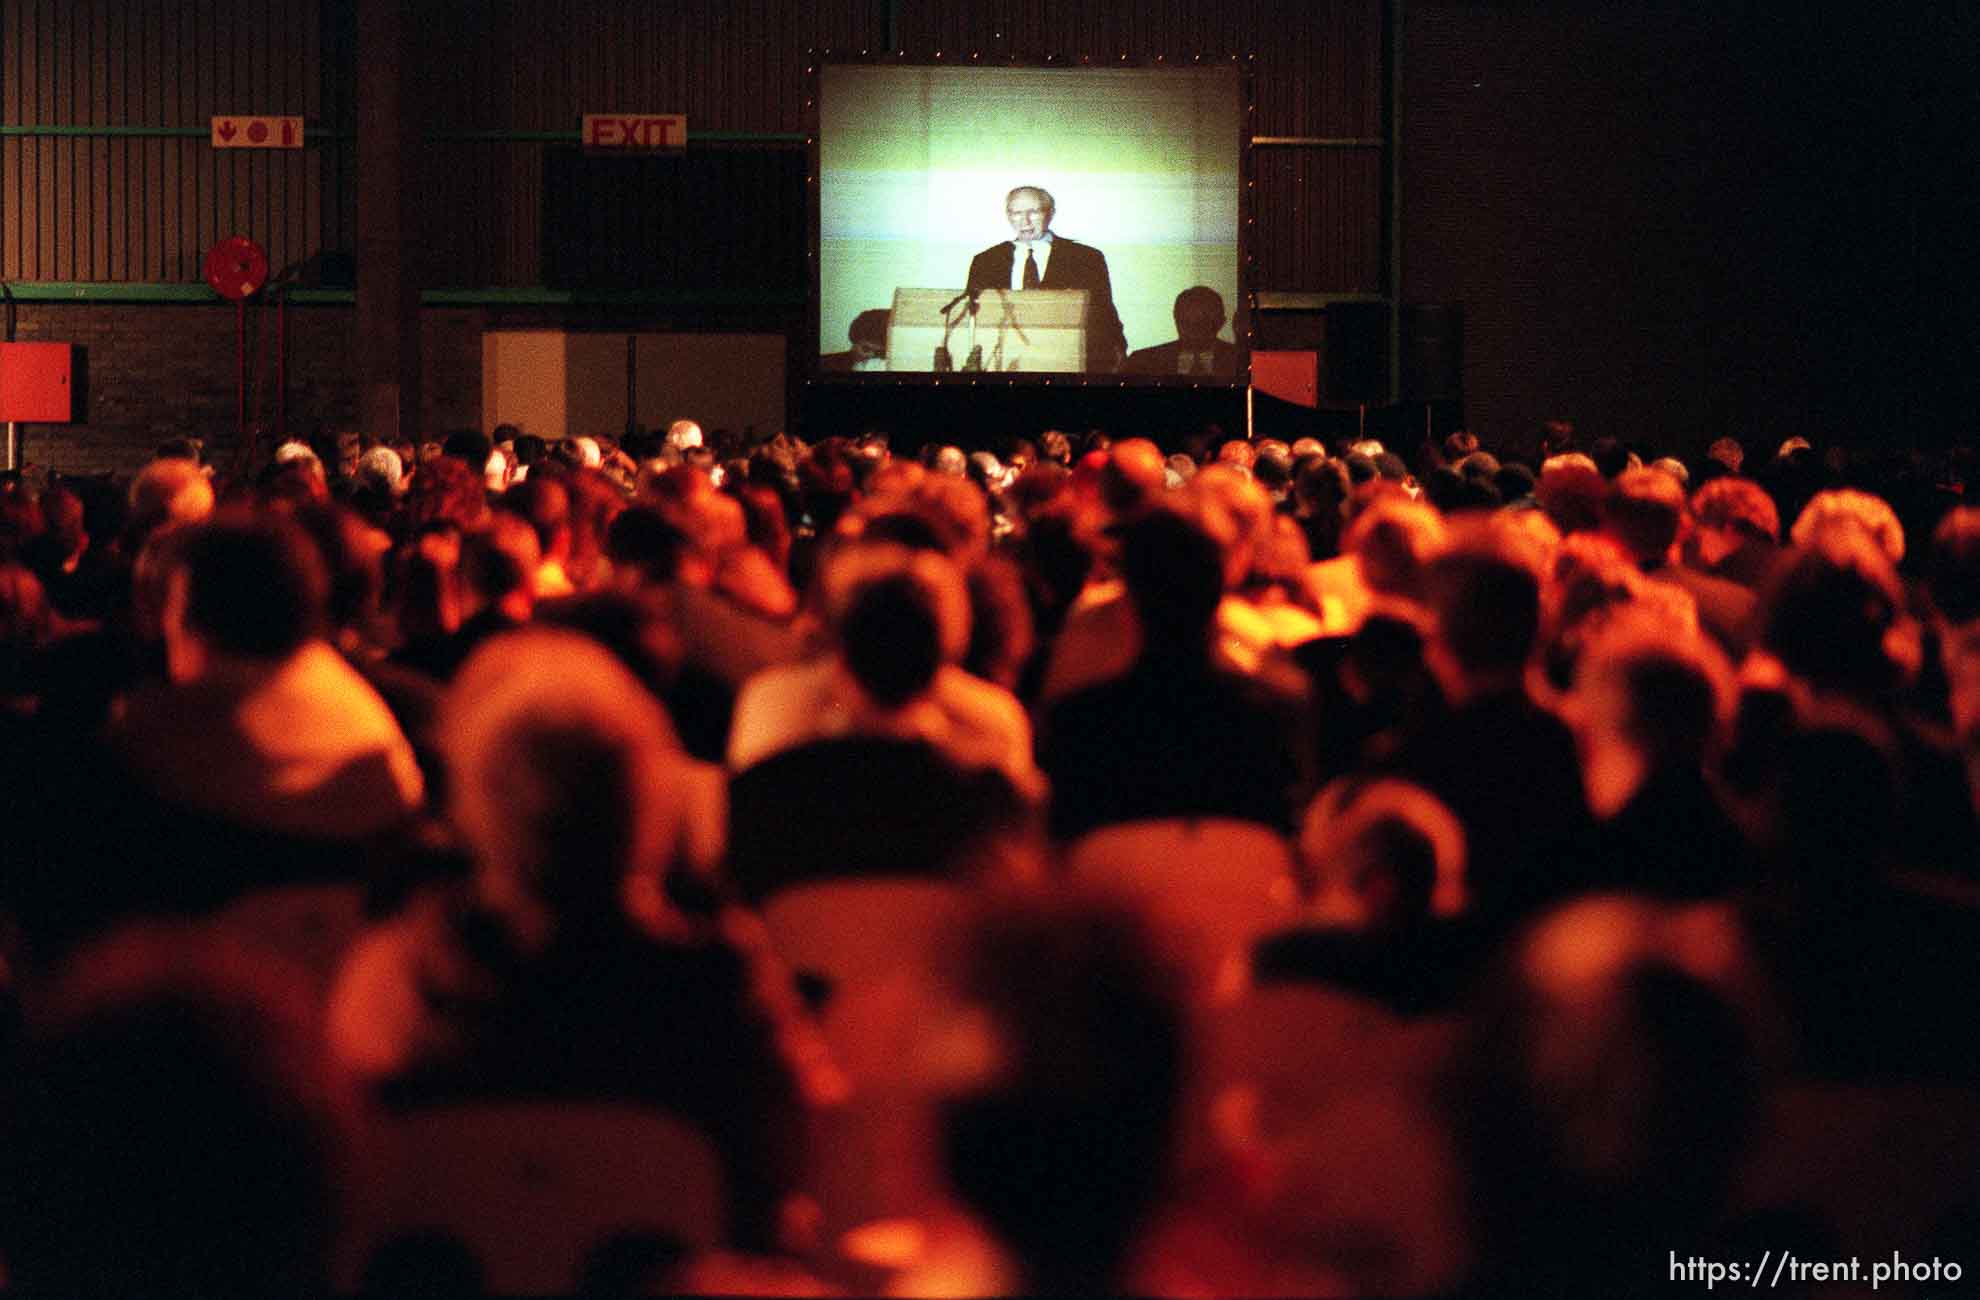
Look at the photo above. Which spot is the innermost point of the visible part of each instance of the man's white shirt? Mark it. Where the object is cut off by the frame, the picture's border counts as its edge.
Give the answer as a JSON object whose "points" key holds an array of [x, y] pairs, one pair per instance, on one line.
{"points": [[1042, 246]]}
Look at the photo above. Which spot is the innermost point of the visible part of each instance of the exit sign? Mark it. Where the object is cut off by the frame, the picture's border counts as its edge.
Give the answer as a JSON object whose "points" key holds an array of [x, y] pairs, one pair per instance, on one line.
{"points": [[634, 132], [257, 133]]}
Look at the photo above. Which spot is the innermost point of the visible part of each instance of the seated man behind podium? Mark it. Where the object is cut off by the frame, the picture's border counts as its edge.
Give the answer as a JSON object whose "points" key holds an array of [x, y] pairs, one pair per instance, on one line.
{"points": [[1038, 259], [868, 336], [1197, 349]]}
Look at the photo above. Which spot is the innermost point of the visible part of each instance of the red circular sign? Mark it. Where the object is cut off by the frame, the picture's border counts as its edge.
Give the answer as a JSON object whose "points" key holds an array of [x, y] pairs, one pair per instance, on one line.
{"points": [[236, 267], [257, 131]]}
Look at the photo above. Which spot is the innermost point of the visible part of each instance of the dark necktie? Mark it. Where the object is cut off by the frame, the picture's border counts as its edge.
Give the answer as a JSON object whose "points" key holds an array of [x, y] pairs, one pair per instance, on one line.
{"points": [[1030, 268]]}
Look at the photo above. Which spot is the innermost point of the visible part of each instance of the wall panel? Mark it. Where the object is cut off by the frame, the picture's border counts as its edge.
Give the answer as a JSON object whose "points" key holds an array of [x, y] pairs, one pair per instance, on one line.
{"points": [[1670, 224], [1318, 220], [1319, 66], [142, 200], [536, 65], [114, 180]]}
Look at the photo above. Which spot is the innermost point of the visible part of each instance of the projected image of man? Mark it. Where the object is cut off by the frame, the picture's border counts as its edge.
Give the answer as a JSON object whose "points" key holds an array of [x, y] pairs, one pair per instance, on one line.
{"points": [[1036, 258], [1197, 350]]}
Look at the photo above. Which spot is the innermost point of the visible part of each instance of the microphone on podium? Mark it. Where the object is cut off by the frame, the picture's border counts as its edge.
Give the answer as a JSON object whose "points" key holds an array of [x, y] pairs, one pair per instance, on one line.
{"points": [[944, 363]]}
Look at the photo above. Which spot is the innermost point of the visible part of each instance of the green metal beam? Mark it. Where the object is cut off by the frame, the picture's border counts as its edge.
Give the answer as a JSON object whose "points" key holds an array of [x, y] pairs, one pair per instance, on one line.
{"points": [[60, 291], [87, 131], [1319, 141], [108, 291], [74, 131], [536, 295], [526, 295], [574, 137], [1272, 300]]}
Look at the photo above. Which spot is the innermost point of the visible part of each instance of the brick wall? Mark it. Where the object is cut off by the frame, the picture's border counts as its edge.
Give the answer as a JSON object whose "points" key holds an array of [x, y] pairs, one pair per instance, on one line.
{"points": [[162, 371]]}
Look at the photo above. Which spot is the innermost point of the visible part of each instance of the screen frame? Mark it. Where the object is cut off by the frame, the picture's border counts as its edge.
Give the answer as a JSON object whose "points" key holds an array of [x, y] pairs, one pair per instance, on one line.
{"points": [[1244, 312]]}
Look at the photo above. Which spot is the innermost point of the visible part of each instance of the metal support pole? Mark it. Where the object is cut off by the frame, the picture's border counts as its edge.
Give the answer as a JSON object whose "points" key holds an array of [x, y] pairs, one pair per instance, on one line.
{"points": [[13, 446], [282, 369], [632, 384], [240, 371]]}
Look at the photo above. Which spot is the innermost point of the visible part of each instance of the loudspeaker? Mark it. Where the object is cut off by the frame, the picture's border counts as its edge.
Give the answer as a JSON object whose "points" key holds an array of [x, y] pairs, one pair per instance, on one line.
{"points": [[1357, 352], [1432, 352]]}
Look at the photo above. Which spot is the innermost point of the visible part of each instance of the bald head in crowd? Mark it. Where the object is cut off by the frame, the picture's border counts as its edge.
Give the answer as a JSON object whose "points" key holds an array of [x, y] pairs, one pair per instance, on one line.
{"points": [[169, 491]]}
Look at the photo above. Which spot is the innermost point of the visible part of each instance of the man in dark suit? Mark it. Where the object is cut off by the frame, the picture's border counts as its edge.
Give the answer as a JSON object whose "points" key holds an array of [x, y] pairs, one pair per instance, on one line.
{"points": [[1038, 259], [868, 336], [1197, 349]]}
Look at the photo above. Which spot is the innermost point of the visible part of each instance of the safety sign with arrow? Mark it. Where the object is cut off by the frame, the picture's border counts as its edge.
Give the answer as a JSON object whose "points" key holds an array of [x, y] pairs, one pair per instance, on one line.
{"points": [[257, 133]]}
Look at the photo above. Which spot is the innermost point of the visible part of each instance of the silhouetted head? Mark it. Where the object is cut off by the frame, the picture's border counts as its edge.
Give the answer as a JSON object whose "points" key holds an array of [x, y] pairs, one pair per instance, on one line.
{"points": [[178, 1128], [1605, 1096], [1174, 571], [1065, 1145], [246, 586], [1200, 315], [898, 614]]}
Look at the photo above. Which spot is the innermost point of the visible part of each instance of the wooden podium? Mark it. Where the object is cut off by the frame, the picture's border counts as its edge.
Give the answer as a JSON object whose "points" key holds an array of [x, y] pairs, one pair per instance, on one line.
{"points": [[1038, 331]]}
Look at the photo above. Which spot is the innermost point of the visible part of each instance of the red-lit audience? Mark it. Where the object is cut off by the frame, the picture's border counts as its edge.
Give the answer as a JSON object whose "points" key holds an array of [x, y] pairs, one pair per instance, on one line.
{"points": [[1622, 848]]}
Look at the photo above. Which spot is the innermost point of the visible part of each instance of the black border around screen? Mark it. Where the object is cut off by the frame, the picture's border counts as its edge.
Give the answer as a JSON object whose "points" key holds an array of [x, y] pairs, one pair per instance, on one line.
{"points": [[1243, 311]]}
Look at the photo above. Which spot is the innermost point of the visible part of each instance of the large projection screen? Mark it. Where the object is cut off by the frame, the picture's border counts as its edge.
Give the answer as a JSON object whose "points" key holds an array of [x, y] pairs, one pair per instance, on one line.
{"points": [[1144, 168]]}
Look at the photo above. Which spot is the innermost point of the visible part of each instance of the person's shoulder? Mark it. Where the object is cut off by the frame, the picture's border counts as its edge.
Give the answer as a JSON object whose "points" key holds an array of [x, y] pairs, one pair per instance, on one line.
{"points": [[1271, 690], [774, 709], [1101, 704], [963, 689], [321, 668], [778, 682], [377, 1015], [1702, 584], [992, 266]]}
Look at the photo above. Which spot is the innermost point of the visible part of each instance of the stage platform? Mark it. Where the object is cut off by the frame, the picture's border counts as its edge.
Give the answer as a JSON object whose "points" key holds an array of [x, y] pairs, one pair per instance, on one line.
{"points": [[983, 415]]}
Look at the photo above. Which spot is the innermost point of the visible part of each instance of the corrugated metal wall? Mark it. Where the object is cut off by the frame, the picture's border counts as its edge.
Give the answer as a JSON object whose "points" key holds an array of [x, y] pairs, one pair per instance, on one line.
{"points": [[143, 200], [535, 65], [1319, 215], [143, 197]]}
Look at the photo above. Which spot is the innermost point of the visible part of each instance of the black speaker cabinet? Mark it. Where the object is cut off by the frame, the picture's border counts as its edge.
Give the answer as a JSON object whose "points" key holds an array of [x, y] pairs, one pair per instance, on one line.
{"points": [[1356, 363]]}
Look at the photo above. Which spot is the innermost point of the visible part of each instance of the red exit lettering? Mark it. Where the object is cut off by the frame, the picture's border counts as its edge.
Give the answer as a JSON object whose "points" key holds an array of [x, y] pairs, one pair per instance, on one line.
{"points": [[645, 131]]}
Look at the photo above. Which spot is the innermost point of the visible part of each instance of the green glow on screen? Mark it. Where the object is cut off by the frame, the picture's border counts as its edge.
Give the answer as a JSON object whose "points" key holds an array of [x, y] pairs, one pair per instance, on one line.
{"points": [[915, 164]]}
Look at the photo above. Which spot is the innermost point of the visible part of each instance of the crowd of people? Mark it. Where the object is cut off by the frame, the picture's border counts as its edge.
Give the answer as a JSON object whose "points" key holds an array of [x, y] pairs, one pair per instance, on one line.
{"points": [[1618, 796]]}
